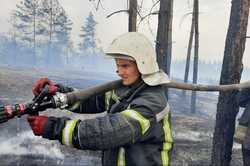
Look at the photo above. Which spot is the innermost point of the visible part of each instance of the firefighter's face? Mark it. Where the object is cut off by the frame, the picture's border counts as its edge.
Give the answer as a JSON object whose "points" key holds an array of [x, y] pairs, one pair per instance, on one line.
{"points": [[127, 70]]}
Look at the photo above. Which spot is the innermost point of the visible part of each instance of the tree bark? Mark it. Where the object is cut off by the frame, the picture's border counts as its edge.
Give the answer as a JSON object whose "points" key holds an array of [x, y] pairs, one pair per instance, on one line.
{"points": [[196, 53], [227, 108], [164, 35], [190, 43], [132, 15]]}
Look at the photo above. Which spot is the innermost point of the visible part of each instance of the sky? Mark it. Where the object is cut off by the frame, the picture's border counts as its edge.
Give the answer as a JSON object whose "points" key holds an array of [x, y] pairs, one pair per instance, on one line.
{"points": [[213, 19]]}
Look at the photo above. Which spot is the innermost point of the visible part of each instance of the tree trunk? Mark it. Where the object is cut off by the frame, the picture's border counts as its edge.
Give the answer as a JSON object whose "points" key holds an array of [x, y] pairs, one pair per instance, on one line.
{"points": [[34, 38], [190, 43], [227, 108], [49, 54], [132, 15], [196, 53], [164, 35]]}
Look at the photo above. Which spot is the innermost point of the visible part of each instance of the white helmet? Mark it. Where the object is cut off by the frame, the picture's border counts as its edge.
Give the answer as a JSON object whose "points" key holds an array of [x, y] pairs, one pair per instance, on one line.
{"points": [[135, 46]]}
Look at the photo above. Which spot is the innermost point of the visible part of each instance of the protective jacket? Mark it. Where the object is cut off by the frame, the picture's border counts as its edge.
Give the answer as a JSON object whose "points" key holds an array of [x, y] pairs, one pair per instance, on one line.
{"points": [[243, 99], [244, 120], [135, 131]]}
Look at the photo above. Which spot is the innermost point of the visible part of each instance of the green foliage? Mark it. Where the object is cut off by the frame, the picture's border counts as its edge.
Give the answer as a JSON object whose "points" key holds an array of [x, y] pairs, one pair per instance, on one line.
{"points": [[26, 18], [45, 28], [88, 30]]}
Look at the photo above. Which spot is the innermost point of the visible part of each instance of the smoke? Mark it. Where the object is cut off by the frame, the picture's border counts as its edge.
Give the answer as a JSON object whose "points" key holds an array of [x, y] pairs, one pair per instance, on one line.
{"points": [[236, 145], [26, 143], [192, 135]]}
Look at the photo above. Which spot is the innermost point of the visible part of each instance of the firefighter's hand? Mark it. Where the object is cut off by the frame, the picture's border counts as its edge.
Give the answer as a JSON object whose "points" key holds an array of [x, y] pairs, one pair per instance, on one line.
{"points": [[40, 83], [37, 124]]}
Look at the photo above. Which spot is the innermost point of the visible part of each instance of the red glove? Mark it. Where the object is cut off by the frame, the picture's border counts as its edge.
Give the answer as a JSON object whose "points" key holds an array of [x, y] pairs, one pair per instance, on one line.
{"points": [[37, 124], [37, 87]]}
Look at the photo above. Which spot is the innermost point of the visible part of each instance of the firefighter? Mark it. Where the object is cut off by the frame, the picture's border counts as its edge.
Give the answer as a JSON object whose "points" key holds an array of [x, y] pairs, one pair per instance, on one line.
{"points": [[136, 129], [242, 134]]}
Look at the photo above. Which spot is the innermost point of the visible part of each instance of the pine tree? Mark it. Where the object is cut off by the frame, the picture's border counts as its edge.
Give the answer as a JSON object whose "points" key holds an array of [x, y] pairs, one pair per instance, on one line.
{"points": [[63, 27], [58, 27], [27, 23], [164, 36], [227, 106], [88, 30]]}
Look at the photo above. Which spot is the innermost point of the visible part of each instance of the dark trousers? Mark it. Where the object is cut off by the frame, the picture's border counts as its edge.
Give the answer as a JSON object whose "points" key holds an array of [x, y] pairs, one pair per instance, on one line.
{"points": [[246, 156]]}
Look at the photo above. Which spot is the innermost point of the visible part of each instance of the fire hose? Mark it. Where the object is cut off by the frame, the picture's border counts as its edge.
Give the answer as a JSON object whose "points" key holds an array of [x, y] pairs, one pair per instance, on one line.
{"points": [[44, 101]]}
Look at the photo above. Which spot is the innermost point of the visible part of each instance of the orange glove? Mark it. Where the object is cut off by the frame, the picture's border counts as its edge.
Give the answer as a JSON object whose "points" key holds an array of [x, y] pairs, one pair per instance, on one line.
{"points": [[40, 83], [37, 124]]}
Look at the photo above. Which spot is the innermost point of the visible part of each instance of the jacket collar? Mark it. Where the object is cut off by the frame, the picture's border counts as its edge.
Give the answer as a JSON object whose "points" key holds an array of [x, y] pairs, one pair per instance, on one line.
{"points": [[136, 84]]}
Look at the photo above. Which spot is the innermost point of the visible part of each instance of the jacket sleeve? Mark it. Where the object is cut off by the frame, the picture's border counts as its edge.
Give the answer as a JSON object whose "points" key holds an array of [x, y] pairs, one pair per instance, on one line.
{"points": [[243, 97], [113, 130], [95, 104], [100, 133], [127, 127], [246, 141]]}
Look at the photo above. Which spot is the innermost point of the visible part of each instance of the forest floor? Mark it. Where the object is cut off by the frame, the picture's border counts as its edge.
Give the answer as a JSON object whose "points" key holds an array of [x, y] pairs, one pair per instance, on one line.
{"points": [[192, 133]]}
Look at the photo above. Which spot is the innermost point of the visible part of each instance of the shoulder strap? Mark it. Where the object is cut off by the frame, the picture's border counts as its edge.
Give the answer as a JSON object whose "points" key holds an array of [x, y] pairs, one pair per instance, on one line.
{"points": [[127, 98]]}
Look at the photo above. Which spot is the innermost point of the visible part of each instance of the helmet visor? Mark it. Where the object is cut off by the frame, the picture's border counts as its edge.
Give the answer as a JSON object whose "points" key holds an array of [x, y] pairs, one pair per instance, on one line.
{"points": [[120, 56]]}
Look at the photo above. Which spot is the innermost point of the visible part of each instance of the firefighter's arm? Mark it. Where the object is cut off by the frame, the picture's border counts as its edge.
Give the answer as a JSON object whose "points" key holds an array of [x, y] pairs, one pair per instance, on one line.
{"points": [[129, 126], [100, 133], [110, 131], [94, 104]]}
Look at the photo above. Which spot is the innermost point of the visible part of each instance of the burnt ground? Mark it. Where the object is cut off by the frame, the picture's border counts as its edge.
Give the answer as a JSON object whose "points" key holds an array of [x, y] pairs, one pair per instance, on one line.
{"points": [[192, 132]]}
